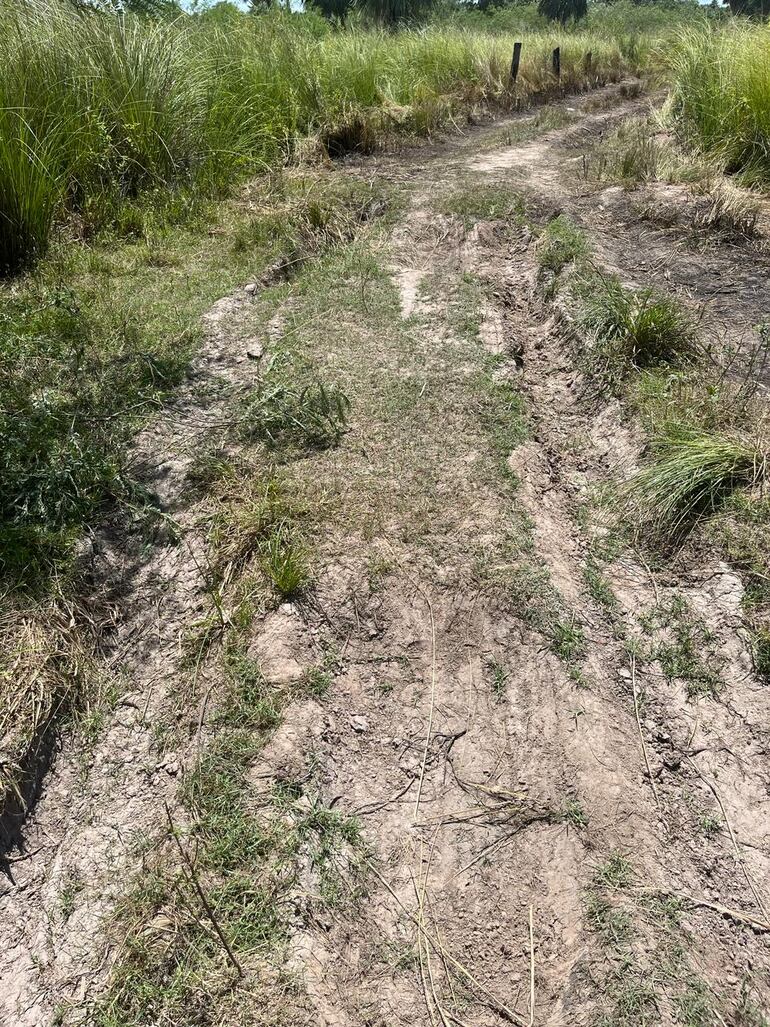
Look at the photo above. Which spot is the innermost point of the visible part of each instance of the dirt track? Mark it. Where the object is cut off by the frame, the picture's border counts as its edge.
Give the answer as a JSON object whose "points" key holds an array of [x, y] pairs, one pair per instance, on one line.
{"points": [[496, 780]]}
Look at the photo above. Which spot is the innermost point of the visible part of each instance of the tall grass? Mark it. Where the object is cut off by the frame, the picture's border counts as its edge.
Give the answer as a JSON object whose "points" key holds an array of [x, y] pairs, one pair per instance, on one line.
{"points": [[721, 94], [99, 109]]}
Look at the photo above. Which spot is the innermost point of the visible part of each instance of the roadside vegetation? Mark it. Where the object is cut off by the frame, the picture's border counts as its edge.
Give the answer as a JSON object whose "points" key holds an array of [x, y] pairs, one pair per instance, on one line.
{"points": [[703, 476]]}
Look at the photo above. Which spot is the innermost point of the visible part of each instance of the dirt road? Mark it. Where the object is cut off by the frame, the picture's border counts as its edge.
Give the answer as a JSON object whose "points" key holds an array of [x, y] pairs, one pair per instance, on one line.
{"points": [[552, 830]]}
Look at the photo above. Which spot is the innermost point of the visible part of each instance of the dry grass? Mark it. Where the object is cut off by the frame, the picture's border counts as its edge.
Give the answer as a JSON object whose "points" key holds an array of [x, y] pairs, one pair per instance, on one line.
{"points": [[44, 665]]}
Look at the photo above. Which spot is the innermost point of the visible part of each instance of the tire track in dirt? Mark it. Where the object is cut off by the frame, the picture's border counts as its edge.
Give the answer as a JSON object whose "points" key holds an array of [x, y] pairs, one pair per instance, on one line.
{"points": [[82, 842], [553, 739]]}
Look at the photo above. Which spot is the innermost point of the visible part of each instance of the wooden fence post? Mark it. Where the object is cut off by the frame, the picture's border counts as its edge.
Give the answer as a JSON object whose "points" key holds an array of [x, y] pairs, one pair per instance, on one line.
{"points": [[515, 61], [556, 59]]}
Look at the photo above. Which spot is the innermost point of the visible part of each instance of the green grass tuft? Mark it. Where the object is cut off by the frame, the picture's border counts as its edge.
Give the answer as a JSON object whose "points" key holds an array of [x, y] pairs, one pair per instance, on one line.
{"points": [[562, 243], [641, 329], [691, 475]]}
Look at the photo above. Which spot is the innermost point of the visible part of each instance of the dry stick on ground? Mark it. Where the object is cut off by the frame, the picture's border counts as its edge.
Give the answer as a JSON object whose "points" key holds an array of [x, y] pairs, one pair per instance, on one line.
{"points": [[732, 914], [639, 728], [421, 894], [426, 597], [504, 1011], [193, 877], [733, 839]]}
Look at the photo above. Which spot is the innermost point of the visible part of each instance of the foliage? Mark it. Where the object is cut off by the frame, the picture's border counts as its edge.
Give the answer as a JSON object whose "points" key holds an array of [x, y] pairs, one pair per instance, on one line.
{"points": [[100, 109], [642, 329], [391, 12], [563, 10], [692, 474], [721, 95]]}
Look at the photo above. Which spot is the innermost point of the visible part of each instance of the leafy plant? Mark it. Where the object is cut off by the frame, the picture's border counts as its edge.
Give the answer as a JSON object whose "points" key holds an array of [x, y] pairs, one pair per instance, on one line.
{"points": [[286, 413]]}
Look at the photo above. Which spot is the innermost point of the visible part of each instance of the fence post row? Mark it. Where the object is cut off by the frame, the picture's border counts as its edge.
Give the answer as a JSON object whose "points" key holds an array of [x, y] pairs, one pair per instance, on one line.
{"points": [[555, 61], [515, 61]]}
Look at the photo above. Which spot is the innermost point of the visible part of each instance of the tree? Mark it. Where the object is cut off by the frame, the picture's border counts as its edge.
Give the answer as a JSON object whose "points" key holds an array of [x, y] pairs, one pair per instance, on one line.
{"points": [[391, 12], [563, 10], [332, 9], [750, 8]]}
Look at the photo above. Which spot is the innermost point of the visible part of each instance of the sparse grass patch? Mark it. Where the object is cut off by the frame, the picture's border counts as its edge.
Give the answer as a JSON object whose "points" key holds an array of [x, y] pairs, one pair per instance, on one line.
{"points": [[573, 813], [687, 650], [615, 873], [562, 243], [502, 407], [499, 675], [639, 151], [599, 588], [316, 682], [568, 640], [487, 202], [250, 851]]}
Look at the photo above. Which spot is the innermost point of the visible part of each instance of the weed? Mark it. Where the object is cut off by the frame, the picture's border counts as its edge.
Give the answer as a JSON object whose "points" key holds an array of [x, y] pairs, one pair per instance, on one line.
{"points": [[316, 682], [285, 412], [284, 558], [502, 408], [607, 920], [688, 651], [615, 873], [730, 211], [635, 329], [68, 893], [208, 468], [573, 813], [499, 674], [250, 701], [691, 476], [634, 1001], [599, 587], [562, 243], [710, 825], [711, 70], [761, 650], [694, 1008], [568, 640], [636, 152]]}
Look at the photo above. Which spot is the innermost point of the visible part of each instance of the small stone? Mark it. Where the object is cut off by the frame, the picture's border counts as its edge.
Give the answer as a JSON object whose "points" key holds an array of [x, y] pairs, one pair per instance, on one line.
{"points": [[172, 768], [251, 288], [359, 724]]}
